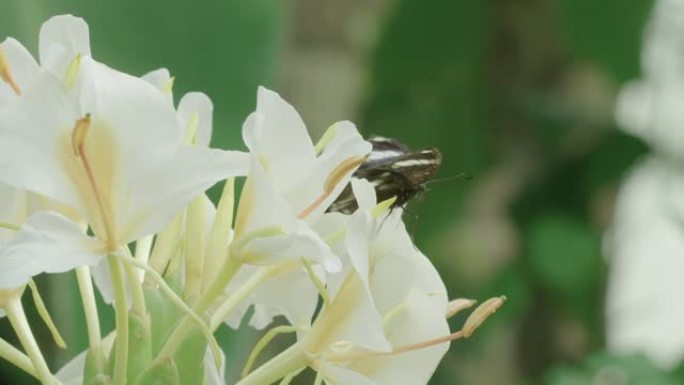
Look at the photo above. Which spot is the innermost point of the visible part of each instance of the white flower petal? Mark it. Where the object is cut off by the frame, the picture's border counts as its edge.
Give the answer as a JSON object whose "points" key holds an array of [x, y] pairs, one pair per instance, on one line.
{"points": [[159, 78], [347, 143], [23, 66], [651, 110], [156, 197], [351, 317], [261, 207], [47, 243], [364, 192], [13, 210], [335, 375], [142, 125], [360, 233], [419, 321], [291, 295], [197, 106], [32, 144], [61, 38], [276, 134], [646, 251], [214, 375], [72, 372]]}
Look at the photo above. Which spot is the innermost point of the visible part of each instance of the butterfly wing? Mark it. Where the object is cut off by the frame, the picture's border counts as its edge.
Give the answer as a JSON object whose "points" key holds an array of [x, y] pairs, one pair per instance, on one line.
{"points": [[394, 171]]}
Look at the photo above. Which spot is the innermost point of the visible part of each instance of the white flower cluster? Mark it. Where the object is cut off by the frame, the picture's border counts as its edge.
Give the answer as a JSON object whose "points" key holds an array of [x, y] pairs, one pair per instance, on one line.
{"points": [[646, 243], [95, 162]]}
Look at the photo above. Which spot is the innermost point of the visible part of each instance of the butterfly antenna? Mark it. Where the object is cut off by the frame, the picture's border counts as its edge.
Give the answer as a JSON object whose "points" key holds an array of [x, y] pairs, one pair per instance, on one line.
{"points": [[463, 175]]}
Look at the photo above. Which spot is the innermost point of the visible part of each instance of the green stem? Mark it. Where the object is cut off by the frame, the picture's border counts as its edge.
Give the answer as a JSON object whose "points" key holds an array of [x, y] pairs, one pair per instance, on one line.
{"points": [[45, 315], [319, 379], [156, 278], [291, 360], [85, 287], [17, 317], [121, 308], [137, 294], [17, 358], [263, 342], [219, 235], [195, 239], [288, 379], [230, 267], [165, 245], [9, 226]]}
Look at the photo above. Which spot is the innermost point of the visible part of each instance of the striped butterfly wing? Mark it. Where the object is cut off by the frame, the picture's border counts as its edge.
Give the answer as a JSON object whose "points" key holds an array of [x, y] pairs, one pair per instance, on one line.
{"points": [[394, 171]]}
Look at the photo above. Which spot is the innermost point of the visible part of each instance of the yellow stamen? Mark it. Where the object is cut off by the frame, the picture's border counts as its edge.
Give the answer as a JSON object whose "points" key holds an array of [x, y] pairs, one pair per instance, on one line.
{"points": [[397, 350], [481, 314], [6, 74], [458, 305], [72, 71], [425, 344], [334, 178], [476, 319], [344, 168], [78, 140], [191, 130], [167, 88], [383, 206], [79, 135], [327, 137]]}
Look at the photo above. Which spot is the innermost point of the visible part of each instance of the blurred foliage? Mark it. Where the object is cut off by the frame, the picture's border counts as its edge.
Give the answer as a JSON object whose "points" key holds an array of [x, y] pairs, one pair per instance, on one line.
{"points": [[518, 94], [604, 369]]}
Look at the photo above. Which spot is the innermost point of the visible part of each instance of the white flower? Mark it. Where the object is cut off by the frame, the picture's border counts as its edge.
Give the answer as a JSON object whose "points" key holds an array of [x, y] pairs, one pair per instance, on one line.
{"points": [[385, 312], [17, 69], [61, 39], [195, 109], [391, 299], [646, 246], [650, 107], [289, 188], [110, 148], [287, 183]]}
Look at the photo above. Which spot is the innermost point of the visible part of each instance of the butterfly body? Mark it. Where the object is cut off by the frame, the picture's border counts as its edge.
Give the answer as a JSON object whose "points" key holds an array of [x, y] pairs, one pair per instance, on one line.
{"points": [[395, 171]]}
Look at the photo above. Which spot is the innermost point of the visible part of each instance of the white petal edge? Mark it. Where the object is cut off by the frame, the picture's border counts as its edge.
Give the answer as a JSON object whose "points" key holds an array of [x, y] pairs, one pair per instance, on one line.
{"points": [[47, 243]]}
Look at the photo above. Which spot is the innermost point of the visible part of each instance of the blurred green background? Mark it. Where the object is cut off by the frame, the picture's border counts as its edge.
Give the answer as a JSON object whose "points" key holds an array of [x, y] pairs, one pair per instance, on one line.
{"points": [[517, 93]]}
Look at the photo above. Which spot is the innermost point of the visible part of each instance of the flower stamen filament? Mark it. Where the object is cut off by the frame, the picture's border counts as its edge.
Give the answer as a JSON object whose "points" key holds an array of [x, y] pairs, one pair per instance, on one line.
{"points": [[334, 178], [78, 139]]}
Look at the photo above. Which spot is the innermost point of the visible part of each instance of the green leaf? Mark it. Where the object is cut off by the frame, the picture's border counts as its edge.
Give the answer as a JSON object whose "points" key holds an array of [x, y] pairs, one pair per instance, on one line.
{"points": [[609, 369], [161, 373], [139, 345], [190, 358], [164, 316]]}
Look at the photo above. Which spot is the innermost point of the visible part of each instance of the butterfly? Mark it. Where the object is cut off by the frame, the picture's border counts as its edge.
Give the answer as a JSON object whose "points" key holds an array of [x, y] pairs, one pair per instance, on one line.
{"points": [[394, 170]]}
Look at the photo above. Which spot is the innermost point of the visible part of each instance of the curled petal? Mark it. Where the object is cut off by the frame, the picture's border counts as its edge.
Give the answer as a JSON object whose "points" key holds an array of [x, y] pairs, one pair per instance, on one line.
{"points": [[61, 38], [47, 243], [195, 112]]}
